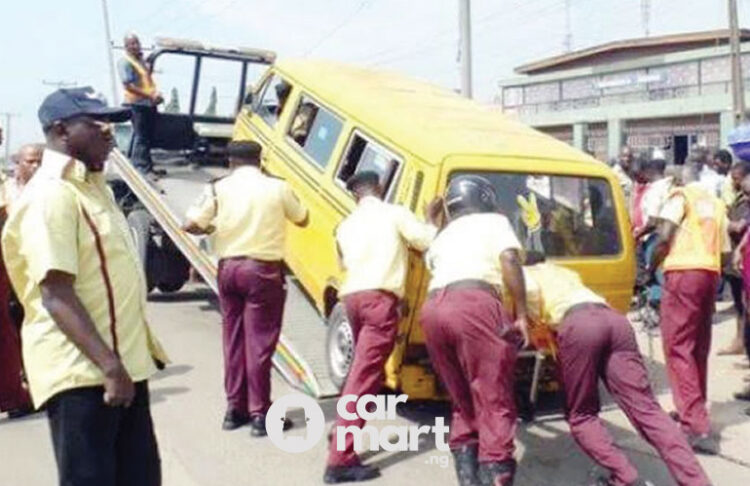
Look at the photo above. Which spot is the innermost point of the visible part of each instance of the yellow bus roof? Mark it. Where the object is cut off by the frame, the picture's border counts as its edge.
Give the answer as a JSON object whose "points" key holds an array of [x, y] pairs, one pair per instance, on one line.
{"points": [[429, 121]]}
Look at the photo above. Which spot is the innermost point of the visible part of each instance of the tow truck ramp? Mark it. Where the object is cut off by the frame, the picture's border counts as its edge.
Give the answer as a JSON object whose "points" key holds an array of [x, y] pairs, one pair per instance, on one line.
{"points": [[303, 328]]}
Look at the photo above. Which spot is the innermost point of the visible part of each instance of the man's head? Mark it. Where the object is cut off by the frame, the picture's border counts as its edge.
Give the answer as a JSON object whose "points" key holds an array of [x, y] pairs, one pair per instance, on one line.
{"points": [[244, 152], [76, 122], [626, 158], [738, 172], [468, 194], [365, 183], [699, 156], [28, 159], [654, 165], [722, 161], [687, 174], [639, 167], [133, 45]]}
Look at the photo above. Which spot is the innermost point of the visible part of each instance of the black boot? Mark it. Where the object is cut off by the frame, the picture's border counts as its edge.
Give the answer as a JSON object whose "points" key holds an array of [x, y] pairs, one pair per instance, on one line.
{"points": [[497, 473], [350, 474], [258, 425], [465, 459]]}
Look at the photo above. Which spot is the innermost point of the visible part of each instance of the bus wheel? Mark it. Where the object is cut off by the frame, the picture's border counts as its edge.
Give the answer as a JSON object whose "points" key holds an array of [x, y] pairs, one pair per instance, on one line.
{"points": [[339, 346]]}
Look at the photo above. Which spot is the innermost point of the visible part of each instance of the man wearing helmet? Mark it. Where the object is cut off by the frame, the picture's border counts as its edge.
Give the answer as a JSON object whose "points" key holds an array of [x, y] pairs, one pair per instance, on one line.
{"points": [[470, 337]]}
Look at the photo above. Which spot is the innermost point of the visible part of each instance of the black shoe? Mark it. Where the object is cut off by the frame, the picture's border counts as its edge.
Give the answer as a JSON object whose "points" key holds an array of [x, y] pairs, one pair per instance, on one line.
{"points": [[347, 474], [703, 444], [465, 459], [743, 395], [20, 412], [158, 172], [258, 425], [497, 473], [234, 420]]}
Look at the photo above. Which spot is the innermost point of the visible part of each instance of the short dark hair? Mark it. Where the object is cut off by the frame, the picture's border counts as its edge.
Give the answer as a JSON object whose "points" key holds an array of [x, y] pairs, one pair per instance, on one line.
{"points": [[366, 178], [657, 165], [742, 166], [724, 155], [245, 150]]}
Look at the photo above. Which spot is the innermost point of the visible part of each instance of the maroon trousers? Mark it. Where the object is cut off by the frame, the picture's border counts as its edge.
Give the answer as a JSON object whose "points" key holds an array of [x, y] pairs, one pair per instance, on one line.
{"points": [[476, 366], [374, 317], [596, 342], [13, 396], [251, 296], [687, 309]]}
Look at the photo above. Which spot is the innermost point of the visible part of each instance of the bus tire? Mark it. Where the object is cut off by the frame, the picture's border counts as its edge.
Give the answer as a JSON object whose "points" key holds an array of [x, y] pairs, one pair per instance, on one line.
{"points": [[339, 346]]}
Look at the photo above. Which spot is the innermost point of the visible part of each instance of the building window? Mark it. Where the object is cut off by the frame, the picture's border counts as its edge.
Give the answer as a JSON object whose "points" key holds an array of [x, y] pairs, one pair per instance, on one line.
{"points": [[364, 154], [315, 130]]}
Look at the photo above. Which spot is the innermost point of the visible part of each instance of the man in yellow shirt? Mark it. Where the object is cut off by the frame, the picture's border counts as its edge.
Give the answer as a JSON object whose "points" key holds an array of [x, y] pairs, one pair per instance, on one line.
{"points": [[373, 244], [73, 264], [693, 239], [468, 332], [595, 342], [246, 214]]}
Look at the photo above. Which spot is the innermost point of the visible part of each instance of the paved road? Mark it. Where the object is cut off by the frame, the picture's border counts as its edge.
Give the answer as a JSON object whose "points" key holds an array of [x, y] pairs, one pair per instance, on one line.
{"points": [[188, 407]]}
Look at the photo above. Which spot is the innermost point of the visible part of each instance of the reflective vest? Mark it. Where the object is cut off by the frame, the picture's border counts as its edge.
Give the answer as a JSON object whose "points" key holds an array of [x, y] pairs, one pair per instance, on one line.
{"points": [[697, 244], [145, 83]]}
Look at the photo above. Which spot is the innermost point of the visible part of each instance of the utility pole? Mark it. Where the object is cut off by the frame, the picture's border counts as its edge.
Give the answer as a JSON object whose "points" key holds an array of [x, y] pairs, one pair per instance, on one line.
{"points": [[738, 90], [6, 135], [110, 56], [464, 28], [646, 17], [568, 41]]}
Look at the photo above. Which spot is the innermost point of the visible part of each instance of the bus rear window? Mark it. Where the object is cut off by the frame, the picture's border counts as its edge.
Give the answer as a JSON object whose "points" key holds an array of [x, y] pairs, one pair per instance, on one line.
{"points": [[576, 215]]}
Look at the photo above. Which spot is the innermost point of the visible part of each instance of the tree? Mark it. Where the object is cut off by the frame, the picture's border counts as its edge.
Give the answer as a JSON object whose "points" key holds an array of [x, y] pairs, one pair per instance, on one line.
{"points": [[174, 102]]}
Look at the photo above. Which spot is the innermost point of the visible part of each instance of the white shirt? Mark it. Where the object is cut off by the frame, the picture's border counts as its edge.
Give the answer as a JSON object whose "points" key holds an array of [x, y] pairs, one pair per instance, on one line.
{"points": [[469, 248], [655, 196], [374, 241], [711, 180]]}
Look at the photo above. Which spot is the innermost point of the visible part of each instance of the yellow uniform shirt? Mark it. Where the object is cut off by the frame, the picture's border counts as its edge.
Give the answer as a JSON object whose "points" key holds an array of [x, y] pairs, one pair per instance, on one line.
{"points": [[673, 210], [248, 211], [374, 241], [552, 290], [469, 248], [54, 226]]}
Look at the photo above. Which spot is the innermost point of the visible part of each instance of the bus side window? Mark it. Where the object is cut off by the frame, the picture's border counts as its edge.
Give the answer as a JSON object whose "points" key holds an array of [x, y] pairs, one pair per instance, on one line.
{"points": [[364, 154], [274, 97], [315, 130]]}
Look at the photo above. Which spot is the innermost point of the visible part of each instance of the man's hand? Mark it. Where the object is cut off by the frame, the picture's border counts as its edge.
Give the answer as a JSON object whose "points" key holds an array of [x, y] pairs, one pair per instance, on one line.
{"points": [[737, 260], [118, 387], [433, 212], [157, 98], [522, 326]]}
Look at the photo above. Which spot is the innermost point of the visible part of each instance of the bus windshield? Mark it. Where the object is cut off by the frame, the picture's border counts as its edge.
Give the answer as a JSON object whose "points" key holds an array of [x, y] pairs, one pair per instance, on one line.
{"points": [[561, 216]]}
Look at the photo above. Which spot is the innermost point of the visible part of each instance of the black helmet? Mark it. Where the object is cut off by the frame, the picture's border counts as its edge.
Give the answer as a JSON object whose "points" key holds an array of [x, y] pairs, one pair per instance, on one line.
{"points": [[470, 194]]}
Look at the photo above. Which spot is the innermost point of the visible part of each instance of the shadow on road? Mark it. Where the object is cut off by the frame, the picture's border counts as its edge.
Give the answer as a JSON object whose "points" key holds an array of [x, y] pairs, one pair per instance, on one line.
{"points": [[162, 394]]}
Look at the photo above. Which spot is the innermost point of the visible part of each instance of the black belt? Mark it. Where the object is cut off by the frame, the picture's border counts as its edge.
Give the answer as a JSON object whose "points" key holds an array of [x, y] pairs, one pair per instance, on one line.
{"points": [[584, 306], [466, 285]]}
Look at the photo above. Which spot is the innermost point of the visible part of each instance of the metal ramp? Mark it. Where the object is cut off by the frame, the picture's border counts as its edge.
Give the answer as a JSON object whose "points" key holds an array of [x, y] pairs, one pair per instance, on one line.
{"points": [[300, 354]]}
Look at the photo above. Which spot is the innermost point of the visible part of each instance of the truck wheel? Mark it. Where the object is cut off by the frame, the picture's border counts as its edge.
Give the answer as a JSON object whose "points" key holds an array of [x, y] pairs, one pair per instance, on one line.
{"points": [[339, 346], [139, 221]]}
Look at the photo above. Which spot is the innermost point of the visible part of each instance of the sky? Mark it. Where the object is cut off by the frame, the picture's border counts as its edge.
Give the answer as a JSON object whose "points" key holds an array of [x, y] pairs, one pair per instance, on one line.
{"points": [[49, 41]]}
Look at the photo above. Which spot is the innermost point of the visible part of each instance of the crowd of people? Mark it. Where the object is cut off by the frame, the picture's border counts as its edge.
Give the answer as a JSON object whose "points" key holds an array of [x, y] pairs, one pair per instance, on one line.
{"points": [[88, 350]]}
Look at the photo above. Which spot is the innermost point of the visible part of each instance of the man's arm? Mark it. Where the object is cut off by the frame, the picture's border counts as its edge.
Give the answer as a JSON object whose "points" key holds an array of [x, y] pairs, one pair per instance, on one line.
{"points": [[510, 265], [201, 214], [416, 234], [665, 233], [294, 210], [62, 303]]}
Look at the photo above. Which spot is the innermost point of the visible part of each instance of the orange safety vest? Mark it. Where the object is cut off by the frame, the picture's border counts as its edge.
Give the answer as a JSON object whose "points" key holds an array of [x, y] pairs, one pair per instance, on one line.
{"points": [[697, 244], [145, 82]]}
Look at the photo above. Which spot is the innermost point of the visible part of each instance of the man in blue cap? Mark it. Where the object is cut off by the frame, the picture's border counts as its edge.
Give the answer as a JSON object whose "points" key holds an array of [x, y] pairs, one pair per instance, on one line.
{"points": [[71, 259]]}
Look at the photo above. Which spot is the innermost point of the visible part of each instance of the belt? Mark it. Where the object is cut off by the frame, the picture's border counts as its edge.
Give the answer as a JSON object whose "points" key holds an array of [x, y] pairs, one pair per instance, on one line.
{"points": [[241, 258], [466, 285], [584, 306]]}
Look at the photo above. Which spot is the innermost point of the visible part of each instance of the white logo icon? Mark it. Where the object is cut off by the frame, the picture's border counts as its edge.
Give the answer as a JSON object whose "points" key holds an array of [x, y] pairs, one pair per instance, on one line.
{"points": [[291, 441]]}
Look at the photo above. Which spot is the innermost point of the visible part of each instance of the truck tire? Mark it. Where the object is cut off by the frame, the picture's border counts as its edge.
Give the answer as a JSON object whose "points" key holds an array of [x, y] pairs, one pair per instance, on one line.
{"points": [[339, 346], [139, 221]]}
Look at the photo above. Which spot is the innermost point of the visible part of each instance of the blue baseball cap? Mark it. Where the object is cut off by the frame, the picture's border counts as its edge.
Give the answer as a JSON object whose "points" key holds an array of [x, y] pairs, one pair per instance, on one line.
{"points": [[64, 104]]}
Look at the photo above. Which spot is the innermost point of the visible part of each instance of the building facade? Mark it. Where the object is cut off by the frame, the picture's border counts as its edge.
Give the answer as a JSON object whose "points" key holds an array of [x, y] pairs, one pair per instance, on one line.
{"points": [[669, 92]]}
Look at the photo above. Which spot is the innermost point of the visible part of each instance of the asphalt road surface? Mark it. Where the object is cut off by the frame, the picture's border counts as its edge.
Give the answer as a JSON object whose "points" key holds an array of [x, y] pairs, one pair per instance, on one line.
{"points": [[188, 407]]}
